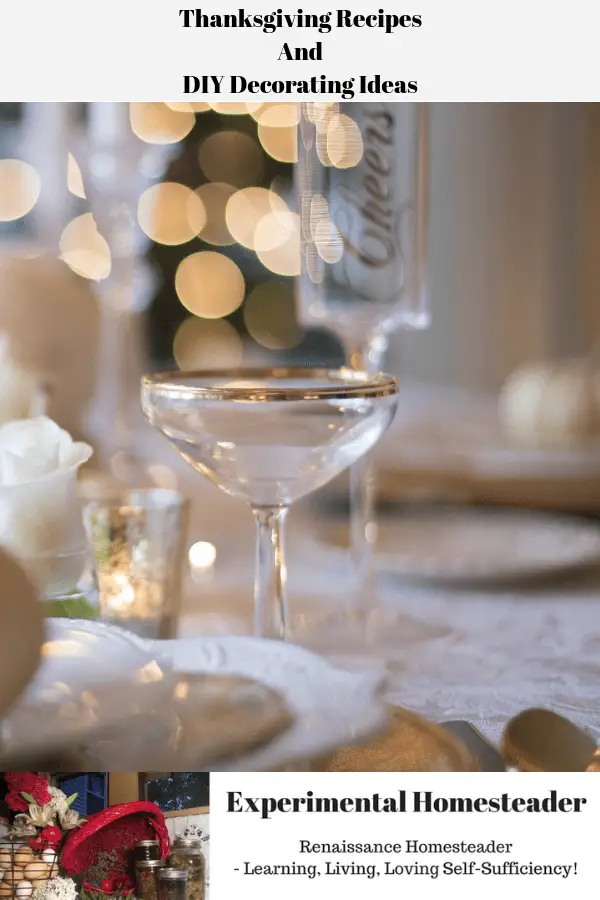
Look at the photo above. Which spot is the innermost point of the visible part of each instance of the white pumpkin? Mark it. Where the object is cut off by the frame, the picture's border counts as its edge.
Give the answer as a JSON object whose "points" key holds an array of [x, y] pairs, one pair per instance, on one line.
{"points": [[554, 405]]}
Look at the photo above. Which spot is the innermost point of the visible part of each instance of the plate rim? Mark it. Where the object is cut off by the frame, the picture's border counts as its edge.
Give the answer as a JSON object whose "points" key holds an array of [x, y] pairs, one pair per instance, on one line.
{"points": [[388, 563], [277, 755]]}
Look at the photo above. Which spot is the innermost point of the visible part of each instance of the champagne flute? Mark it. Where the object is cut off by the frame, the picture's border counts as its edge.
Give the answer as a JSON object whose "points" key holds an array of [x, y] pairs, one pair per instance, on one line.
{"points": [[362, 190]]}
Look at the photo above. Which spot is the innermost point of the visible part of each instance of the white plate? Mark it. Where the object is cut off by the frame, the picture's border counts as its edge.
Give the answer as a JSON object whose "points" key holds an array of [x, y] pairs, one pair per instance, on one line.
{"points": [[331, 708], [479, 546], [93, 676], [511, 462]]}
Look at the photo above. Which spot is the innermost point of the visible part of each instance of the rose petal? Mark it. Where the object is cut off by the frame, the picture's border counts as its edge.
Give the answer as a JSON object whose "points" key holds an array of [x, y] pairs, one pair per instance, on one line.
{"points": [[40, 513]]}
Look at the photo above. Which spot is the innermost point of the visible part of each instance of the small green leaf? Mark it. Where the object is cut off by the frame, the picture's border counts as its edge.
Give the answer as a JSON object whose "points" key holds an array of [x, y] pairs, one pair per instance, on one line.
{"points": [[72, 798], [75, 608], [27, 797]]}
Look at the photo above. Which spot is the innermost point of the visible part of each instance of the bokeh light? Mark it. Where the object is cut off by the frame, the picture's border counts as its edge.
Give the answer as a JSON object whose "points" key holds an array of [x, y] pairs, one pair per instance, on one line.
{"points": [[189, 107], [344, 142], [84, 250], [74, 178], [231, 157], [245, 210], [280, 143], [277, 242], [20, 187], [270, 317], [157, 123], [230, 109], [171, 213], [214, 197], [209, 284], [322, 114], [207, 344], [277, 115], [202, 555], [329, 241]]}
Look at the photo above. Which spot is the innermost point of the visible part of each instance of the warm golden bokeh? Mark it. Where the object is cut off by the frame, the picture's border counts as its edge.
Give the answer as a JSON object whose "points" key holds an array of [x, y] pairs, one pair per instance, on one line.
{"points": [[207, 344], [231, 157], [171, 213], [230, 109], [157, 123], [75, 178], [215, 196], [189, 107], [269, 315], [277, 242], [344, 142], [322, 114], [209, 284], [329, 241], [84, 250], [246, 208], [277, 115], [280, 143], [20, 187]]}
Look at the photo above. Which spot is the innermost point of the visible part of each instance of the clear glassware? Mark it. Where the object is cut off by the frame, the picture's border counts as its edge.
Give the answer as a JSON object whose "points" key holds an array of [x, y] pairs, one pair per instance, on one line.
{"points": [[68, 583], [270, 436], [362, 179], [118, 167], [139, 541]]}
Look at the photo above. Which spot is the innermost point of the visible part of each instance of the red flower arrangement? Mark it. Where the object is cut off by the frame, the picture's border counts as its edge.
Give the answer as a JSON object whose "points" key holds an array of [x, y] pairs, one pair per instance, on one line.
{"points": [[43, 814], [26, 788], [49, 837], [16, 802]]}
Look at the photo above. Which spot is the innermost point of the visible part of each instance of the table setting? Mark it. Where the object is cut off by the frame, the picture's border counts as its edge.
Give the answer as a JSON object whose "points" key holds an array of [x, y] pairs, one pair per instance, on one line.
{"points": [[422, 589]]}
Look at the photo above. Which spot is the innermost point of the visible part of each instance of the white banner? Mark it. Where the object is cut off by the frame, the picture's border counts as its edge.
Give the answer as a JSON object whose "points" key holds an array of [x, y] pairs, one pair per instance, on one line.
{"points": [[159, 50], [403, 835]]}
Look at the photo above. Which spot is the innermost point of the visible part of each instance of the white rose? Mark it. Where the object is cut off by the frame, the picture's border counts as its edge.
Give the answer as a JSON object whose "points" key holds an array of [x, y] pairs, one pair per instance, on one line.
{"points": [[40, 512], [20, 394]]}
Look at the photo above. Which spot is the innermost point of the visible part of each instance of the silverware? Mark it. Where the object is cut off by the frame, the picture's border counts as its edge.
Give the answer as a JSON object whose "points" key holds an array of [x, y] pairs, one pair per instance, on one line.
{"points": [[485, 753], [538, 740]]}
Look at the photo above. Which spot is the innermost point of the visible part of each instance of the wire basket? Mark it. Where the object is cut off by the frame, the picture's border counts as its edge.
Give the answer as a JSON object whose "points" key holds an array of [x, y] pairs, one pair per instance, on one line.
{"points": [[24, 870]]}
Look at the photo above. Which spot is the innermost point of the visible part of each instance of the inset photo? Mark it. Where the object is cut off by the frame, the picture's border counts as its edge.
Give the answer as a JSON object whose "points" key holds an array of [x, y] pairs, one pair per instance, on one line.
{"points": [[104, 835]]}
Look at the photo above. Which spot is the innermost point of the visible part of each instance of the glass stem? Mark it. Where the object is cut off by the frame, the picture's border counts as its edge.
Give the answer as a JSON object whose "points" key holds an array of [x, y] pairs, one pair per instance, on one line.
{"points": [[270, 612], [363, 529]]}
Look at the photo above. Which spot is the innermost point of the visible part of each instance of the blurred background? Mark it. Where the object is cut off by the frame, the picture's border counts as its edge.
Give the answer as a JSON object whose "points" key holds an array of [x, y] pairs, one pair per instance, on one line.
{"points": [[515, 212], [217, 293], [181, 219]]}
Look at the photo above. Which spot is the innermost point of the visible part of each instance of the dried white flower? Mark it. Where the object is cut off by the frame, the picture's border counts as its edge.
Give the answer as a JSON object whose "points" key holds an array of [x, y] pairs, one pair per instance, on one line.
{"points": [[56, 889], [59, 799], [69, 819], [22, 826], [41, 816]]}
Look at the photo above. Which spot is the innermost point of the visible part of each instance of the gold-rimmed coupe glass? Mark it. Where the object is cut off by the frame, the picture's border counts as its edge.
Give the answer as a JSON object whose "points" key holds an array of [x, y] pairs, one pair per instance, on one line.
{"points": [[270, 436]]}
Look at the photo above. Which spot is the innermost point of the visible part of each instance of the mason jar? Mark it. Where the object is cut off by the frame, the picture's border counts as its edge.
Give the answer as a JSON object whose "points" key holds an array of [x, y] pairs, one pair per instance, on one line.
{"points": [[186, 853], [172, 884], [145, 878]]}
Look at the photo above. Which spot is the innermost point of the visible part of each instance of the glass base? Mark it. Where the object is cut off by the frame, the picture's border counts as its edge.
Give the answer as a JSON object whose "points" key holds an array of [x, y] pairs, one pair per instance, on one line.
{"points": [[67, 583], [366, 639]]}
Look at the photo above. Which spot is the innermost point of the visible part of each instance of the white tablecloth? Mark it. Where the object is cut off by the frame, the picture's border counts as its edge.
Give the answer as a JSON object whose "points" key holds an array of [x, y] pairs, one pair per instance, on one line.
{"points": [[491, 655]]}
